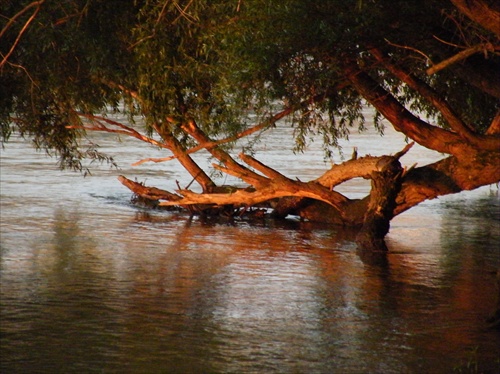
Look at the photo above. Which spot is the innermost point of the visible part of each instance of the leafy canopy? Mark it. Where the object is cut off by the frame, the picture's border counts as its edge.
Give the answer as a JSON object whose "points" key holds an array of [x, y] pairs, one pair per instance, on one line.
{"points": [[219, 62]]}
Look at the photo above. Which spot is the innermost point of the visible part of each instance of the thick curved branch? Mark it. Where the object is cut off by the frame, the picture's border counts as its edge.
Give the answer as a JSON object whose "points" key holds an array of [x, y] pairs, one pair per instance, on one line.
{"points": [[455, 122], [429, 136], [359, 168], [487, 14], [448, 176]]}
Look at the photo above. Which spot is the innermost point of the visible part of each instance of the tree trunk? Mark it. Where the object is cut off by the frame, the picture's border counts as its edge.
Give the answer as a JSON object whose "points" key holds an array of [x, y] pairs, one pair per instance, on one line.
{"points": [[394, 190], [386, 184], [474, 162]]}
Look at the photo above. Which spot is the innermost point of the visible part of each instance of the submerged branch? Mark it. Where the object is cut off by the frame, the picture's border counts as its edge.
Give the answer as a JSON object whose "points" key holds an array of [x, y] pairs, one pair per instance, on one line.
{"points": [[274, 185], [151, 193]]}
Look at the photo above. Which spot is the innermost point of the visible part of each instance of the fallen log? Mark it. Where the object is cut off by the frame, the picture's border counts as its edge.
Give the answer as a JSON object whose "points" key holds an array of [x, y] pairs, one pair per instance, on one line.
{"points": [[284, 195]]}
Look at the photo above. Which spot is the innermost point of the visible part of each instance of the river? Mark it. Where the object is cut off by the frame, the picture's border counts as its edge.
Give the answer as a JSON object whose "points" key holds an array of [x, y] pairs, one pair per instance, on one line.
{"points": [[91, 283]]}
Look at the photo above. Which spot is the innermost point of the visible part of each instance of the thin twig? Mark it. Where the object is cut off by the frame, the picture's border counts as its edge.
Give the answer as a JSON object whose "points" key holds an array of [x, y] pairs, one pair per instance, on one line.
{"points": [[25, 70], [16, 42], [18, 14], [448, 43], [427, 58], [153, 159], [125, 130], [183, 13]]}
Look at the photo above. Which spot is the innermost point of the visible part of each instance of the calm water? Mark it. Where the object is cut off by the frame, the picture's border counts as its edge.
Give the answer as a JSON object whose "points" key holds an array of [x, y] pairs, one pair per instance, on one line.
{"points": [[90, 283]]}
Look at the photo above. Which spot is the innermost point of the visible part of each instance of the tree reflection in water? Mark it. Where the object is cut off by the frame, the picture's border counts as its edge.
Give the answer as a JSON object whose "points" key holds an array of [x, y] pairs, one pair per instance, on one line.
{"points": [[114, 290]]}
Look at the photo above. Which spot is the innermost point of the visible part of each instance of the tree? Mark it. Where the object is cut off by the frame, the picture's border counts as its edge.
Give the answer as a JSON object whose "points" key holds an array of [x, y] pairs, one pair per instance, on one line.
{"points": [[198, 73]]}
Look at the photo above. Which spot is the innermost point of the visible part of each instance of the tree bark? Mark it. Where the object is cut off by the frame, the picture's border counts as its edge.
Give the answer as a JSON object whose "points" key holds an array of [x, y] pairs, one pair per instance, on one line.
{"points": [[386, 184], [487, 14], [186, 161]]}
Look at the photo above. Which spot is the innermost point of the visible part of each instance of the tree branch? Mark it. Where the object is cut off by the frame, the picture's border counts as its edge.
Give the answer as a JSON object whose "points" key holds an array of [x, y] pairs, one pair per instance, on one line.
{"points": [[185, 160], [151, 193], [123, 129], [484, 13], [170, 143], [247, 175], [447, 176], [455, 122], [429, 136], [38, 5], [459, 56], [359, 168], [272, 191]]}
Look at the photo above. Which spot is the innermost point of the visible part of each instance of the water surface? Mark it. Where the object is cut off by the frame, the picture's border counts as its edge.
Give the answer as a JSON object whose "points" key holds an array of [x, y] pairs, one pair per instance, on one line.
{"points": [[90, 283]]}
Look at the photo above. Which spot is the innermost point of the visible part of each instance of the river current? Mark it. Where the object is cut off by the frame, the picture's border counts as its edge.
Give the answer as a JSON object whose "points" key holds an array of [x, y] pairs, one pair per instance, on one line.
{"points": [[91, 283]]}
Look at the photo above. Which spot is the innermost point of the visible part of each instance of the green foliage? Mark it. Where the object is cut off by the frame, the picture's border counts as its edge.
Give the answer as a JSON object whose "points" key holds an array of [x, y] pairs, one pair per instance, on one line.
{"points": [[57, 69], [178, 63], [221, 62]]}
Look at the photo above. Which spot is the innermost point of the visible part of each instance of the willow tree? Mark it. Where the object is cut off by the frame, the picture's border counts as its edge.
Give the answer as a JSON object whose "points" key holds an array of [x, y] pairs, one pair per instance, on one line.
{"points": [[202, 74]]}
